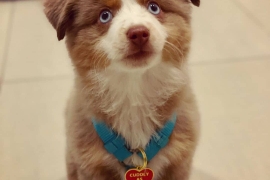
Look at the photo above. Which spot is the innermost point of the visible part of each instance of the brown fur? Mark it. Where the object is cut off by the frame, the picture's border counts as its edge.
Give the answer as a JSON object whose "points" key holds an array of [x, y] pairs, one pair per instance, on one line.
{"points": [[86, 157]]}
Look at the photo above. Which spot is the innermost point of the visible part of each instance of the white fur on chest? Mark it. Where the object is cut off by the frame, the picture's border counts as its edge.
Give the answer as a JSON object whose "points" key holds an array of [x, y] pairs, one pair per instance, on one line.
{"points": [[131, 99]]}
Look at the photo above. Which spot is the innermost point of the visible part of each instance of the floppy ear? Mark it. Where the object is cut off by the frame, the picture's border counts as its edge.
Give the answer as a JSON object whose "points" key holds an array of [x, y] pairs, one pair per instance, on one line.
{"points": [[196, 2], [60, 14]]}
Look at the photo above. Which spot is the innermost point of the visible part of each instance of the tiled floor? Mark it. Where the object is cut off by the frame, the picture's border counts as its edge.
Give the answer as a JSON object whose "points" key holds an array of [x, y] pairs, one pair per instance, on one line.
{"points": [[230, 64]]}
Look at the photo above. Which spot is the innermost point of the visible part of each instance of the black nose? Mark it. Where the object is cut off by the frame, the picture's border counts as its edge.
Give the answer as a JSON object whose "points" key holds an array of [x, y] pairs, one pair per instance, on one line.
{"points": [[138, 35]]}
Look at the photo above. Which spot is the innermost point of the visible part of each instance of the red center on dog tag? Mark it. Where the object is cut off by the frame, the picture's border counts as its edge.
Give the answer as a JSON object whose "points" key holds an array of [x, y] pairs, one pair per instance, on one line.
{"points": [[144, 174]]}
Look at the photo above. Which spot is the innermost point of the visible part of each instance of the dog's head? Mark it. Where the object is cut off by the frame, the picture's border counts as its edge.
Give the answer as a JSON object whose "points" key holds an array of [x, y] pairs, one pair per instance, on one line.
{"points": [[125, 35]]}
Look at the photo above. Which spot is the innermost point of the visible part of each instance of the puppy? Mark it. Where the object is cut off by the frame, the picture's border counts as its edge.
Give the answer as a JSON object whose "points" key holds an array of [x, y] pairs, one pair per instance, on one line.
{"points": [[130, 61]]}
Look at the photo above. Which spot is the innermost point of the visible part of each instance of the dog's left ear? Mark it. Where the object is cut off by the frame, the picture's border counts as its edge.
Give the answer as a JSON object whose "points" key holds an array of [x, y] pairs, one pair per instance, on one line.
{"points": [[60, 14], [196, 2]]}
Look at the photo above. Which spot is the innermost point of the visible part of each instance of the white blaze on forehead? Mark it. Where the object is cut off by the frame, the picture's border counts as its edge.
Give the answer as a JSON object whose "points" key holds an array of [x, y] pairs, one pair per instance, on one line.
{"points": [[135, 13], [115, 42]]}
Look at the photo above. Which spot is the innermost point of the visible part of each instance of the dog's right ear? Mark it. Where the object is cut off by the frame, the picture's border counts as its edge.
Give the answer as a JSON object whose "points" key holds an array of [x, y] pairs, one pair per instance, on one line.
{"points": [[60, 14]]}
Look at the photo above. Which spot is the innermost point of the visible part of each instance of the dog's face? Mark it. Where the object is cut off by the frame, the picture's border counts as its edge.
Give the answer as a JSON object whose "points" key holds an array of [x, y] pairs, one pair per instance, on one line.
{"points": [[125, 35]]}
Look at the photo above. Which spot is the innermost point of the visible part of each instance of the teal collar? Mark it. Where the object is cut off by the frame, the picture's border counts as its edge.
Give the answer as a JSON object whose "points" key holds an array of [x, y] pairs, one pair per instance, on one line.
{"points": [[115, 143]]}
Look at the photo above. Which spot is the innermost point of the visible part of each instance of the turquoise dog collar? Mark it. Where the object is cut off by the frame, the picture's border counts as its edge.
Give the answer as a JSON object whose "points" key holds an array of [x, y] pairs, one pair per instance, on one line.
{"points": [[115, 143]]}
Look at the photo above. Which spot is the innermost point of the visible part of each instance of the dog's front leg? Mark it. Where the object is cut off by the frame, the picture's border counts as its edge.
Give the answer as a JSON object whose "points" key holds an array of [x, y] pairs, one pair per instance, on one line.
{"points": [[84, 176], [72, 173], [176, 172], [71, 167], [182, 170], [94, 174]]}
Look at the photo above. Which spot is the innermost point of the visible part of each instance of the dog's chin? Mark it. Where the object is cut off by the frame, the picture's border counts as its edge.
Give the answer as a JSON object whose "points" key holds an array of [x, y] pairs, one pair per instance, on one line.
{"points": [[139, 61]]}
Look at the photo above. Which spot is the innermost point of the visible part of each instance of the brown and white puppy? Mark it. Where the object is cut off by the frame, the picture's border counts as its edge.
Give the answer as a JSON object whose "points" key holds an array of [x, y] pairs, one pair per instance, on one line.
{"points": [[130, 59]]}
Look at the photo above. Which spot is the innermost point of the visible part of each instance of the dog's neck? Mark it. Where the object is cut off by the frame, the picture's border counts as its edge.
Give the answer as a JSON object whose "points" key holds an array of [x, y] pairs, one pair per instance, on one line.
{"points": [[135, 104]]}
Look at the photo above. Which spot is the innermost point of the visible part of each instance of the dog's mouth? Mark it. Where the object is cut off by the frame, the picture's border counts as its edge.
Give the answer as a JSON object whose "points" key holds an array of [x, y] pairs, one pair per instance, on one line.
{"points": [[139, 55], [138, 58]]}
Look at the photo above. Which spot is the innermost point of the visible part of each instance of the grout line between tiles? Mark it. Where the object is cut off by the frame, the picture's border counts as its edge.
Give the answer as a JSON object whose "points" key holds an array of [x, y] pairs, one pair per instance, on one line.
{"points": [[231, 60], [251, 15], [38, 79], [7, 45]]}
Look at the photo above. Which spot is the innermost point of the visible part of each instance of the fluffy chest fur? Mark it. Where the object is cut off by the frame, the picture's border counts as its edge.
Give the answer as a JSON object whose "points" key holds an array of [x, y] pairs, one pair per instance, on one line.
{"points": [[131, 99]]}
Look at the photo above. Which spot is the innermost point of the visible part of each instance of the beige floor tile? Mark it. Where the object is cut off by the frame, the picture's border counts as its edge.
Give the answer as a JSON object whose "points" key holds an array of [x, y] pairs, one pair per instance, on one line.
{"points": [[32, 130], [5, 12], [34, 50], [259, 9], [223, 31], [235, 104]]}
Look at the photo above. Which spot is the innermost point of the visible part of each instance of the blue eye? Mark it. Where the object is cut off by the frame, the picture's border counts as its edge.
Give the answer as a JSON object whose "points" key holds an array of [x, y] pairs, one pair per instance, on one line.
{"points": [[154, 8], [105, 16]]}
